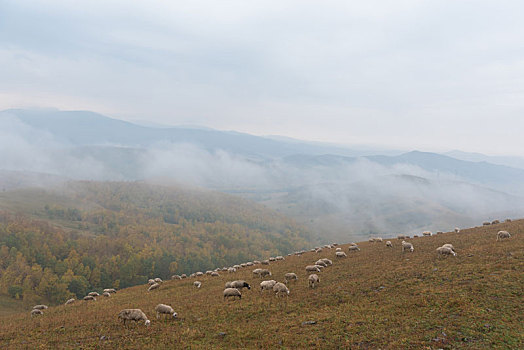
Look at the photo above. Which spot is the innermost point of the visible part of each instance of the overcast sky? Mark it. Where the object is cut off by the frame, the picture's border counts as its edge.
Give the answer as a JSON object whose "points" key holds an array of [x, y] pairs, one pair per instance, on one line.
{"points": [[428, 75]]}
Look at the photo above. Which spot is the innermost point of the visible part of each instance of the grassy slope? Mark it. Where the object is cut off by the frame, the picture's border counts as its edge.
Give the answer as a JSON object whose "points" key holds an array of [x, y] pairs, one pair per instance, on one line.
{"points": [[375, 298]]}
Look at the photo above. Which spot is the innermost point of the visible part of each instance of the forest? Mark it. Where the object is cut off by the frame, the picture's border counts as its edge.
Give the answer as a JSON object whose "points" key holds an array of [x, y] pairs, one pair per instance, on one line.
{"points": [[84, 236]]}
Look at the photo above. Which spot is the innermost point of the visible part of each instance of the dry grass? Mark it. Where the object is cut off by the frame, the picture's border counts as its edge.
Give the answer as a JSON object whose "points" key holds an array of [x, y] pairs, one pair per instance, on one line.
{"points": [[375, 298]]}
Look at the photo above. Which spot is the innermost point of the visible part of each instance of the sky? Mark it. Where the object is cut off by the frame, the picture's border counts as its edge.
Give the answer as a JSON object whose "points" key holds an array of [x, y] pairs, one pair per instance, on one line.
{"points": [[409, 74]]}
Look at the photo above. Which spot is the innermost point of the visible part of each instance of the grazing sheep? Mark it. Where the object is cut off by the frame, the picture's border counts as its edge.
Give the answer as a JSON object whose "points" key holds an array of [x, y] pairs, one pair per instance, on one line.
{"points": [[256, 262], [163, 309], [197, 284], [176, 277], [494, 222], [313, 280], [89, 298], [401, 237], [158, 280], [321, 263], [257, 271], [312, 268], [327, 261], [272, 259], [340, 254], [338, 249], [319, 250], [232, 292], [426, 233], [110, 290], [93, 294], [407, 246], [389, 244], [151, 281], [239, 284], [353, 248], [231, 270], [228, 284], [214, 274], [106, 294], [280, 289], [280, 257], [70, 301], [36, 312], [457, 230], [238, 267], [486, 223], [502, 235], [267, 285], [183, 275], [446, 251], [379, 239], [264, 273], [199, 273], [153, 287], [290, 276], [209, 272], [133, 315], [372, 240], [265, 262], [249, 263], [40, 307], [449, 245], [507, 220], [193, 275]]}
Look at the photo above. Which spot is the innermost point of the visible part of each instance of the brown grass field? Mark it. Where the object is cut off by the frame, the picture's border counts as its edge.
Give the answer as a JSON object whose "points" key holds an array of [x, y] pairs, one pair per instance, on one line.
{"points": [[378, 298]]}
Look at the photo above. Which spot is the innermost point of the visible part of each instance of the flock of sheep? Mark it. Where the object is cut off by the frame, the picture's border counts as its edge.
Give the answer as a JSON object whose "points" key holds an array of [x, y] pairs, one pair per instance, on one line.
{"points": [[233, 289]]}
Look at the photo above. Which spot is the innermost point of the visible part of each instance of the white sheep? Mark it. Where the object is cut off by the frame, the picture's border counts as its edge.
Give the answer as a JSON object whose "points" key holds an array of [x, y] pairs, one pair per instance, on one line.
{"points": [[353, 248], [446, 251], [153, 287], [379, 239], [257, 271], [36, 312], [228, 284], [503, 235], [280, 257], [197, 284], [449, 245], [239, 284], [232, 293], [401, 237], [163, 309], [313, 280], [340, 254], [110, 290], [389, 244], [264, 273], [40, 307], [183, 275], [457, 230], [312, 268], [93, 294], [327, 261], [133, 315], [89, 298], [280, 289], [290, 276], [338, 249], [426, 233], [158, 280], [407, 246], [231, 270], [267, 285], [321, 263], [256, 262], [70, 301], [265, 262], [176, 277], [215, 274], [106, 294], [151, 281]]}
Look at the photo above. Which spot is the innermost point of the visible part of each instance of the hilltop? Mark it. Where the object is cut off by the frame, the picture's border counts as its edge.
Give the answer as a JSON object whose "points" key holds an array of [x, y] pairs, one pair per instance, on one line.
{"points": [[375, 298]]}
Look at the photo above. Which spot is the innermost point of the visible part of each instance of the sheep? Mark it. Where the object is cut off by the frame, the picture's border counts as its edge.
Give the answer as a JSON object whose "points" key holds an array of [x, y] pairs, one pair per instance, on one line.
{"points": [[446, 251], [290, 276], [231, 270], [197, 284], [389, 244], [457, 230], [267, 285], [494, 222], [321, 263], [199, 273], [312, 268], [183, 275], [449, 245], [151, 281], [228, 284], [209, 272], [353, 248], [250, 263], [327, 261], [313, 280], [256, 262], [40, 307], [401, 237], [158, 280], [415, 236], [110, 290], [193, 275], [257, 271], [153, 287], [372, 240], [70, 301], [407, 246], [379, 239], [232, 292], [238, 267], [165, 310], [265, 262], [36, 312], [426, 233], [93, 294], [507, 220], [89, 298], [340, 255], [280, 257], [319, 250], [214, 274], [502, 235], [280, 289], [338, 249], [133, 315], [176, 277], [106, 294], [486, 223], [239, 284], [264, 273], [272, 259]]}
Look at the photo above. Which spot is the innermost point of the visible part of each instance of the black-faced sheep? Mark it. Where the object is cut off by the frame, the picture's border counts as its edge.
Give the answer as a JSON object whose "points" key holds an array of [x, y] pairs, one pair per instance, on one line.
{"points": [[240, 284]]}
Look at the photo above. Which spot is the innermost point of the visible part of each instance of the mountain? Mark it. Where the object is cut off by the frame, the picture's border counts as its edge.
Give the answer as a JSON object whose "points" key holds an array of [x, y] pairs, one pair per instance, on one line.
{"points": [[376, 298], [514, 162]]}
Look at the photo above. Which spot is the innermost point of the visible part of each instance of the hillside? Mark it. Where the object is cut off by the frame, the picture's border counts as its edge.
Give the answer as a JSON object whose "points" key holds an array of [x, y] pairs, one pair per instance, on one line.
{"points": [[85, 235], [375, 298]]}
